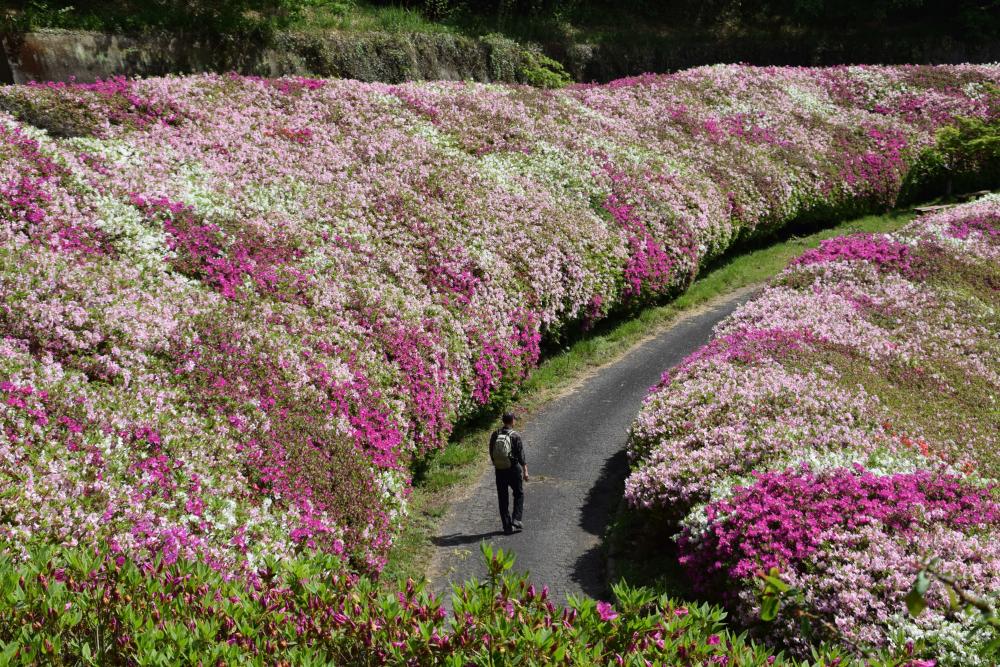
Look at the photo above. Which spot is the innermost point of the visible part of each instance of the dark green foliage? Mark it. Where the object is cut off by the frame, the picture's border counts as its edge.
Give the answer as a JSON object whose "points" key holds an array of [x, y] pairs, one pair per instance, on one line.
{"points": [[982, 18], [860, 14], [543, 20], [593, 40], [244, 17], [599, 40]]}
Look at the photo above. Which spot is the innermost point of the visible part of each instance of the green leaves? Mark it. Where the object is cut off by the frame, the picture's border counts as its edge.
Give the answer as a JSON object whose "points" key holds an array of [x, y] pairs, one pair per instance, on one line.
{"points": [[303, 613], [915, 602], [966, 154], [769, 608], [774, 590], [246, 17], [541, 71], [632, 600], [10, 649]]}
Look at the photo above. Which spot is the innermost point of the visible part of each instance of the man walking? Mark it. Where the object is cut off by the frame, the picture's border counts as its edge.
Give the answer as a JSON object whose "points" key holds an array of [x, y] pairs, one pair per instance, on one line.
{"points": [[507, 454]]}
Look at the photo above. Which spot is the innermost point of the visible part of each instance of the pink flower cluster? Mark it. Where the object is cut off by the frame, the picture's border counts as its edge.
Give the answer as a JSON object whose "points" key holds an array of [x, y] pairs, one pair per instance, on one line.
{"points": [[818, 434], [878, 250], [783, 518], [118, 101]]}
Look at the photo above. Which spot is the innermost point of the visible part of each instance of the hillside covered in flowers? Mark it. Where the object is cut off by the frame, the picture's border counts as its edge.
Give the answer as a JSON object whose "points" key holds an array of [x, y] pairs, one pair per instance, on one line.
{"points": [[843, 429], [234, 310]]}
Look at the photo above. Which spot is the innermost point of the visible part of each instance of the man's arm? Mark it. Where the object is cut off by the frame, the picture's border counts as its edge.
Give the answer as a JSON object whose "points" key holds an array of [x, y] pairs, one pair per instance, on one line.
{"points": [[523, 461], [493, 441]]}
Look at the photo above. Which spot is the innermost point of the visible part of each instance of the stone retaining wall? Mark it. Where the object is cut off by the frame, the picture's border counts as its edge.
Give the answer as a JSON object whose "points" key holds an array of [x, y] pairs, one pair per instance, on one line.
{"points": [[59, 55]]}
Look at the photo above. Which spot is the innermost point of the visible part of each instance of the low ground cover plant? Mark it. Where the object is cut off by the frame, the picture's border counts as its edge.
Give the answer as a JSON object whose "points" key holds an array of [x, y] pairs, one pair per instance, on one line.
{"points": [[839, 434]]}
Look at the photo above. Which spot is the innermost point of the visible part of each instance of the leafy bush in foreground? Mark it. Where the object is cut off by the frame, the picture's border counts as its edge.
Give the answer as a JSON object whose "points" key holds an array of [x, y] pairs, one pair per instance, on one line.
{"points": [[839, 433], [74, 607]]}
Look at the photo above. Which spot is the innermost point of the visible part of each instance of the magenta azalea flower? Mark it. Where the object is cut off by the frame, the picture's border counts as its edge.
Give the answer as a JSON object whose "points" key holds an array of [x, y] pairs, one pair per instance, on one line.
{"points": [[606, 611]]}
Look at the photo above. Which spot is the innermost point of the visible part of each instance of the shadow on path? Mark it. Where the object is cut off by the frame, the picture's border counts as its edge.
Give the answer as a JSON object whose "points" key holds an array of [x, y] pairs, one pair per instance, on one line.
{"points": [[602, 498], [588, 573], [604, 494], [459, 539]]}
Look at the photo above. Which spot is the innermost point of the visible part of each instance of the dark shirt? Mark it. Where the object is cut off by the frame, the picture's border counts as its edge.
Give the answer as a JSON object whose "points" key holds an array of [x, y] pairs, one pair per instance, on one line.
{"points": [[516, 445]]}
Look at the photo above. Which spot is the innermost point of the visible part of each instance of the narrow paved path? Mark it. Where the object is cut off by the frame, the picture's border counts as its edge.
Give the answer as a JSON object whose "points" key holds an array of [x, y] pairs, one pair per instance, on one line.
{"points": [[575, 448]]}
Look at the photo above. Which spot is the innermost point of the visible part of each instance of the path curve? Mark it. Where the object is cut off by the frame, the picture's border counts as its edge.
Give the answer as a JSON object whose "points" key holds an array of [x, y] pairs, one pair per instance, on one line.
{"points": [[575, 447]]}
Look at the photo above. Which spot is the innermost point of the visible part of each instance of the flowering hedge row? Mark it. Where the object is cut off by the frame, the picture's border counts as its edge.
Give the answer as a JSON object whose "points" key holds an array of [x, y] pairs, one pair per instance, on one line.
{"points": [[843, 428], [234, 309]]}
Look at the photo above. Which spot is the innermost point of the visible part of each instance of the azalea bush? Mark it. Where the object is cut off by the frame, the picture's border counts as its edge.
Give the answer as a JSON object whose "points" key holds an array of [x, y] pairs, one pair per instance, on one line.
{"points": [[838, 434], [236, 310], [80, 607]]}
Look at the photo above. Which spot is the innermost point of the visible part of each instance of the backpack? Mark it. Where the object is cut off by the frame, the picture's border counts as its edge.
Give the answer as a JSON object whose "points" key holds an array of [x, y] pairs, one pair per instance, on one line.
{"points": [[501, 450]]}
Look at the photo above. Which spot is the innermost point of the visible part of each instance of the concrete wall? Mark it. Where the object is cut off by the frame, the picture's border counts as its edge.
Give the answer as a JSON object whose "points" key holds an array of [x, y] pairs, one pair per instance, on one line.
{"points": [[59, 55], [86, 56]]}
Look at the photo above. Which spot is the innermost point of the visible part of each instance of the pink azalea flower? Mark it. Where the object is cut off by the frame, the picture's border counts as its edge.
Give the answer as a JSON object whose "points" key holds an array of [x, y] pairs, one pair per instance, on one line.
{"points": [[606, 612]]}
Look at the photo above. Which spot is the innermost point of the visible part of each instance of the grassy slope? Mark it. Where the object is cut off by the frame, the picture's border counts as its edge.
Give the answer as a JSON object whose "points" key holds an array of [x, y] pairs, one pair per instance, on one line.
{"points": [[462, 461]]}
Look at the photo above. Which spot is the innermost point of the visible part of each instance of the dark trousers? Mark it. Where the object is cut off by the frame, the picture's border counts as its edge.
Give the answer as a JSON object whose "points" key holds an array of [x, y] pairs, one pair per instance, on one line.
{"points": [[510, 478]]}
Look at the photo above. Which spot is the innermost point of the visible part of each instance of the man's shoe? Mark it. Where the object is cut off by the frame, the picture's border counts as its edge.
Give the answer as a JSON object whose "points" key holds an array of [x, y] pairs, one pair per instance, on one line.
{"points": [[508, 531], [517, 525]]}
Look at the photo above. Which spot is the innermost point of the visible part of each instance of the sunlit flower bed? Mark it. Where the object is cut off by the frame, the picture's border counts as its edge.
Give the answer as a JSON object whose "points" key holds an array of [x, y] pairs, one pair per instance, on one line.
{"points": [[843, 428], [234, 309]]}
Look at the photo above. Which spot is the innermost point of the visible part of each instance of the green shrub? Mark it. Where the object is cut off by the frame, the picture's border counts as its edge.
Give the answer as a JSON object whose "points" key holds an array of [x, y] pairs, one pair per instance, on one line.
{"points": [[504, 56], [72, 606], [511, 61], [966, 155], [543, 72]]}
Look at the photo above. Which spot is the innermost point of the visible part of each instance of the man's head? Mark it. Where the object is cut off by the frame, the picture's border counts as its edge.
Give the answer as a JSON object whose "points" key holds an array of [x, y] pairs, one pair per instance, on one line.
{"points": [[508, 419]]}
